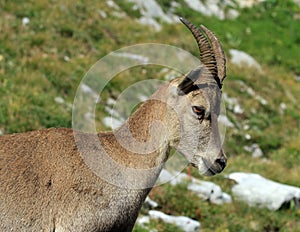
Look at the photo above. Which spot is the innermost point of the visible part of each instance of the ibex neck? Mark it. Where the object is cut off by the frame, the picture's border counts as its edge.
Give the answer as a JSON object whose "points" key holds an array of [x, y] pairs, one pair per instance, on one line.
{"points": [[144, 133], [147, 121], [135, 153]]}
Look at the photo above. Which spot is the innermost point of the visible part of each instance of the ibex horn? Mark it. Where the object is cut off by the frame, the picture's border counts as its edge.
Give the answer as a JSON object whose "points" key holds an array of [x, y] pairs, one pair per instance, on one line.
{"points": [[208, 54], [218, 52]]}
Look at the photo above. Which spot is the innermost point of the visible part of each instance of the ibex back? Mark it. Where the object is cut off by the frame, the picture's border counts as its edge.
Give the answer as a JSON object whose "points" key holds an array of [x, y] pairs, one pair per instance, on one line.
{"points": [[46, 185]]}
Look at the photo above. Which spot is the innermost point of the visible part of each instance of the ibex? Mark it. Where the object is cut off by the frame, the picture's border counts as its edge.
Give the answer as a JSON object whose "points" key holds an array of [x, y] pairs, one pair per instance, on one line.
{"points": [[46, 185]]}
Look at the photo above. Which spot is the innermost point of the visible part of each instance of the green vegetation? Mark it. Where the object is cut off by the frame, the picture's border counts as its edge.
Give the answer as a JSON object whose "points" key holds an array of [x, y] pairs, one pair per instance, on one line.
{"points": [[48, 57]]}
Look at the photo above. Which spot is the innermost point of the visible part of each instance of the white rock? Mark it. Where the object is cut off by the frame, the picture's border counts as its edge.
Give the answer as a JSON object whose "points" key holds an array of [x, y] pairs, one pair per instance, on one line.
{"points": [[143, 98], [297, 2], [119, 14], [259, 191], [179, 179], [233, 104], [283, 107], [86, 89], [174, 6], [248, 3], [151, 203], [242, 59], [112, 112], [59, 100], [25, 21], [232, 14], [204, 189], [111, 102], [261, 100], [257, 153], [209, 191], [102, 13], [198, 6], [67, 59], [112, 122], [255, 150], [246, 127], [213, 8], [247, 136], [150, 22], [228, 3], [252, 93], [112, 4], [151, 9], [184, 223], [206, 9], [297, 78], [237, 109], [223, 119], [216, 10], [143, 220], [132, 56], [90, 92], [165, 176]]}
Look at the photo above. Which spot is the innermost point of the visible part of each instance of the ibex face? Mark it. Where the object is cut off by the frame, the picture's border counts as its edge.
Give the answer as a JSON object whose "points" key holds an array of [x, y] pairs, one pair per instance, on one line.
{"points": [[196, 103]]}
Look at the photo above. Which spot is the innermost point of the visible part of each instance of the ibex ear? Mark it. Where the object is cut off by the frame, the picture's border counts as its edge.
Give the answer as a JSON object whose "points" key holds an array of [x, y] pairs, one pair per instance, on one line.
{"points": [[187, 85]]}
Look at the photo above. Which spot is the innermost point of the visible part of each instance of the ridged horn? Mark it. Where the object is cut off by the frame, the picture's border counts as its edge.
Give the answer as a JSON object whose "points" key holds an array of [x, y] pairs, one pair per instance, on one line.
{"points": [[218, 53], [206, 53]]}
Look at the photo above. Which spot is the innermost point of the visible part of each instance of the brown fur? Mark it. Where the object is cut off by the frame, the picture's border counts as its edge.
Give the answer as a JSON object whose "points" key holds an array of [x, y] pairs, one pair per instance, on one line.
{"points": [[55, 190], [45, 184]]}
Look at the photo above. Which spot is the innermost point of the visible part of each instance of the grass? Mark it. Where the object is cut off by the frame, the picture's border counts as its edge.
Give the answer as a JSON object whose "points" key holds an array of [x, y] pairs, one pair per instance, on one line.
{"points": [[48, 58]]}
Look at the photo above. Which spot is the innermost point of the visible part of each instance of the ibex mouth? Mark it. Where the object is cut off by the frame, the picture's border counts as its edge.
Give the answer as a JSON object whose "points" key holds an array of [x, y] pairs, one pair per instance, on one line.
{"points": [[213, 169]]}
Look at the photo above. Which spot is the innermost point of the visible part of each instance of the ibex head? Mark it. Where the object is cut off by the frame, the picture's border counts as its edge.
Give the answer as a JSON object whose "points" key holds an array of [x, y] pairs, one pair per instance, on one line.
{"points": [[196, 98]]}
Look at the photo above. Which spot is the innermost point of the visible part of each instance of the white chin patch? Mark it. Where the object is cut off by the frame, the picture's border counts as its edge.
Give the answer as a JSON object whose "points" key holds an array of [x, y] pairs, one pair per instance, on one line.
{"points": [[203, 169]]}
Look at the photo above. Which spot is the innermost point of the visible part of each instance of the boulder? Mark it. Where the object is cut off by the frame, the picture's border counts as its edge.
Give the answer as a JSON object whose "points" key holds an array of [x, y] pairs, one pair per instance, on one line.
{"points": [[259, 191], [185, 223], [242, 59], [204, 189]]}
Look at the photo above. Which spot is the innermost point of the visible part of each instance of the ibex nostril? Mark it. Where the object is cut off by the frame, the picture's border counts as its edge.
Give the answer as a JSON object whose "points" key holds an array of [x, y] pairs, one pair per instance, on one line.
{"points": [[222, 162]]}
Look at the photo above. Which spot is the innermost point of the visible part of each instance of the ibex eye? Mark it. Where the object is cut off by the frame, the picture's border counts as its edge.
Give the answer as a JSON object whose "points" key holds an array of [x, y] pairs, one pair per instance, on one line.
{"points": [[199, 110]]}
